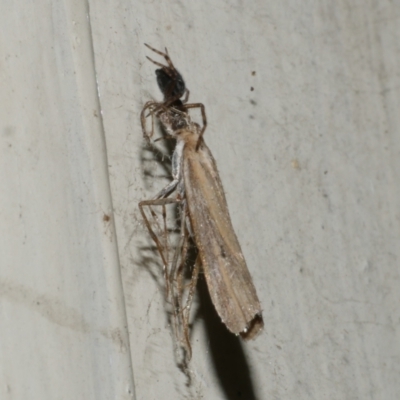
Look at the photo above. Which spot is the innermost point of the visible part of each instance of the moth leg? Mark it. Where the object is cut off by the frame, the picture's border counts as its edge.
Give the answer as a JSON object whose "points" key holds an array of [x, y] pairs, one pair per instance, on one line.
{"points": [[204, 118], [189, 302], [159, 245], [174, 272], [176, 172], [160, 198], [178, 274], [149, 105], [168, 189]]}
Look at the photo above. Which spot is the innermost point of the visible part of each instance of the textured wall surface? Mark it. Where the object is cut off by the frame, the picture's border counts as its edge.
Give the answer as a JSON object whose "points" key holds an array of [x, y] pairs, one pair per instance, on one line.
{"points": [[63, 331], [302, 103]]}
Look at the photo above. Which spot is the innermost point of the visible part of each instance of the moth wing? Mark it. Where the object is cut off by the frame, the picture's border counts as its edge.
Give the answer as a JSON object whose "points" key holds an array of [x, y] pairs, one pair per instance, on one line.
{"points": [[228, 278]]}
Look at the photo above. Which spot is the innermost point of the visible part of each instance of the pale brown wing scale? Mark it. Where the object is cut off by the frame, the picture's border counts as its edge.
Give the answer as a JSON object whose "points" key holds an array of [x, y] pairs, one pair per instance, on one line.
{"points": [[228, 278]]}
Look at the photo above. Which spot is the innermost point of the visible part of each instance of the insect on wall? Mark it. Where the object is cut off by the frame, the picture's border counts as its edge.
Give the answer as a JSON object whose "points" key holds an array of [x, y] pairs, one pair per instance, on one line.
{"points": [[204, 222]]}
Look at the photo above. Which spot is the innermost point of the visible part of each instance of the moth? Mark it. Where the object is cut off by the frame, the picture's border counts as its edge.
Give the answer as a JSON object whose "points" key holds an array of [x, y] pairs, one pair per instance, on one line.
{"points": [[205, 220]]}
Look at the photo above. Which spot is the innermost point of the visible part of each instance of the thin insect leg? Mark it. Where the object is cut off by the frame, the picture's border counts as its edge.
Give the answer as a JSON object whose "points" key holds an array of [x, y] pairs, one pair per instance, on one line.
{"points": [[143, 116], [160, 247], [165, 55], [165, 230], [179, 255], [168, 189], [164, 138], [204, 118], [152, 125], [175, 290], [155, 62], [186, 98], [176, 294], [164, 245], [189, 302], [185, 326], [164, 105], [176, 173], [158, 108], [203, 113], [155, 109], [177, 276]]}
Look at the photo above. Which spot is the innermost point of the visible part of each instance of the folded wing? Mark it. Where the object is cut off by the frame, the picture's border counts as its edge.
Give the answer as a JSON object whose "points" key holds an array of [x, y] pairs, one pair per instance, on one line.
{"points": [[228, 278]]}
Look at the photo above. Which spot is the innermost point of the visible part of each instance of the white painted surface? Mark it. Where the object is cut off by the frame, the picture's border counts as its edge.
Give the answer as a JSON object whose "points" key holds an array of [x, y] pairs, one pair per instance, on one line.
{"points": [[63, 331], [310, 163]]}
